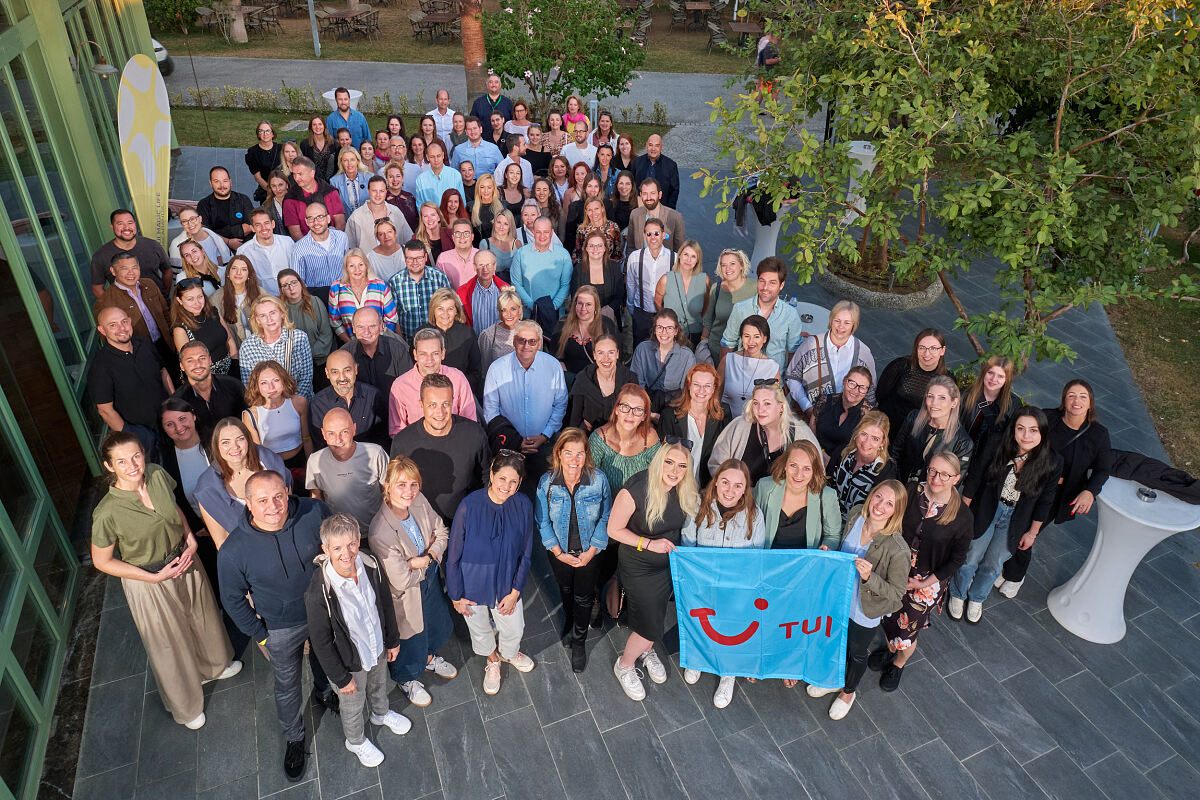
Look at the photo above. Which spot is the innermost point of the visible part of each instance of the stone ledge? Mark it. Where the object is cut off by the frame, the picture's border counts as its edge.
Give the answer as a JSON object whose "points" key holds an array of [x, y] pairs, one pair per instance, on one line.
{"points": [[842, 288]]}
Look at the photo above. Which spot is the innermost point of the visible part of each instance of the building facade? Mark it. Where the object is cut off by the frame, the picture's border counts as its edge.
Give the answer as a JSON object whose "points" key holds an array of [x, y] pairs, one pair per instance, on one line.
{"points": [[60, 176]]}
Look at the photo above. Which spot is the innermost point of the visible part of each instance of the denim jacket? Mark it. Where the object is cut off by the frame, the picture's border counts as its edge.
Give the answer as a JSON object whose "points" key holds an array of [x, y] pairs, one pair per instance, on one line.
{"points": [[593, 502]]}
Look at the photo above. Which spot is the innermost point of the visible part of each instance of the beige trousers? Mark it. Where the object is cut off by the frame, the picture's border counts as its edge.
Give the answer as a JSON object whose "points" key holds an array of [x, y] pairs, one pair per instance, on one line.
{"points": [[184, 637]]}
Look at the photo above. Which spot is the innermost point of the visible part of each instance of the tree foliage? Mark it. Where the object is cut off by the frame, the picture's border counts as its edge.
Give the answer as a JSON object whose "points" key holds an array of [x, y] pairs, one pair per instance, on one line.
{"points": [[1053, 135], [559, 48]]}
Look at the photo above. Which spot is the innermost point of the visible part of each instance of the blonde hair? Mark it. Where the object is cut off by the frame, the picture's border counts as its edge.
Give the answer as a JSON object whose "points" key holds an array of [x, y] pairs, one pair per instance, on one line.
{"points": [[846, 305], [496, 205], [1004, 398], [955, 502], [573, 325], [512, 225], [275, 301], [656, 494], [947, 433], [879, 420], [358, 252], [740, 255], [896, 520], [507, 295], [357, 157], [694, 246], [786, 418], [284, 167], [441, 296], [396, 469]]}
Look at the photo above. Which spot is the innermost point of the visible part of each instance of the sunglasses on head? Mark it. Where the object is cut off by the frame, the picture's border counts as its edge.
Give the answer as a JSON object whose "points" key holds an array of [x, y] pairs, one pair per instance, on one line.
{"points": [[188, 283], [672, 440], [766, 381], [504, 452]]}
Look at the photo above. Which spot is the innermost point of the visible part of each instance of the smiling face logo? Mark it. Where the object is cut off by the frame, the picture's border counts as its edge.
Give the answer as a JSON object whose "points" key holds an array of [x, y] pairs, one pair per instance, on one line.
{"points": [[703, 614]]}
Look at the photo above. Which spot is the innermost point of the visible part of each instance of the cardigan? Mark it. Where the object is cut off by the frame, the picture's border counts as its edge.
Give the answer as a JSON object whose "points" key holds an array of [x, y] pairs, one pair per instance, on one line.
{"points": [[671, 424], [732, 441], [1087, 460], [943, 545], [883, 590], [821, 529], [493, 560], [985, 498], [810, 374], [393, 547]]}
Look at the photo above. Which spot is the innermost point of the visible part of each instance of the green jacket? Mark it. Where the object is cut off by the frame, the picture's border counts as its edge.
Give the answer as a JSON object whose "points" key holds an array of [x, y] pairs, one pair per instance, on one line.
{"points": [[889, 556], [822, 527]]}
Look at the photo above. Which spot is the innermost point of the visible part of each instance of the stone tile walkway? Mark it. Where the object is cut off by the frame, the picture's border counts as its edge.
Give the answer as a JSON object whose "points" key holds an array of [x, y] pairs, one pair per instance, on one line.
{"points": [[1014, 707]]}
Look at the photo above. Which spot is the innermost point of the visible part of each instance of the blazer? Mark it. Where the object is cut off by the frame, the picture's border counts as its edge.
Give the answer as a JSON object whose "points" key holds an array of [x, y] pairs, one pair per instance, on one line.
{"points": [[393, 547], [732, 441], [1087, 460], [884, 588], [944, 545], [1034, 506], [823, 528], [676, 228], [671, 425], [328, 634], [667, 175]]}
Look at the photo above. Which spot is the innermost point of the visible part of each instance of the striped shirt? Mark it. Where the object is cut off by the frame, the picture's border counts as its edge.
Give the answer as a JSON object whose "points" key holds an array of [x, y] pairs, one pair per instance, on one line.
{"points": [[412, 297], [484, 313], [320, 263], [343, 303]]}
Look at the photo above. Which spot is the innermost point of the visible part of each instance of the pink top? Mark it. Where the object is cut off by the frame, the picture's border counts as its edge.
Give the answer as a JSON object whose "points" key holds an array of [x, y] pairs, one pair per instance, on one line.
{"points": [[404, 406], [457, 270]]}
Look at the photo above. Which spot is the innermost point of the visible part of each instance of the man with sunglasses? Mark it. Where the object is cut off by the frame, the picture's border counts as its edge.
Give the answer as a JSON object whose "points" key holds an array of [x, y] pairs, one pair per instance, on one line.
{"points": [[319, 254], [642, 271]]}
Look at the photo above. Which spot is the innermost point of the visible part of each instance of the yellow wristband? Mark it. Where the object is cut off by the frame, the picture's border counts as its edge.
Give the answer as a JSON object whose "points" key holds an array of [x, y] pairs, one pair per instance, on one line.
{"points": [[639, 544]]}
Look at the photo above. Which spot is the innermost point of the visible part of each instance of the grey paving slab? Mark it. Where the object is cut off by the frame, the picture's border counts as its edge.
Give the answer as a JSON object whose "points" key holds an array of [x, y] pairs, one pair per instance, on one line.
{"points": [[610, 707], [1078, 737], [552, 687], [111, 734], [166, 747], [522, 755], [1176, 726], [821, 770], [577, 741], [1004, 778], [339, 771], [645, 768], [737, 716], [409, 770], [242, 787], [1060, 777], [119, 651], [782, 710], [1176, 779], [182, 784], [1160, 590], [1118, 778], [882, 769], [701, 764], [115, 784], [226, 745], [1103, 661], [1001, 714], [1133, 738], [954, 719], [940, 774], [900, 722], [464, 757], [758, 763]]}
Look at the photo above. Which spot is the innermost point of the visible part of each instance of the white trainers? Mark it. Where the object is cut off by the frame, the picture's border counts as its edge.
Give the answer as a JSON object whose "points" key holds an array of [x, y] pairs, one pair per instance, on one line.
{"points": [[630, 681], [195, 724], [395, 722], [415, 690], [491, 677], [724, 693], [368, 754], [955, 606], [654, 667], [998, 582], [817, 691], [522, 662], [691, 676], [1009, 588], [974, 611], [840, 707], [234, 668], [441, 667]]}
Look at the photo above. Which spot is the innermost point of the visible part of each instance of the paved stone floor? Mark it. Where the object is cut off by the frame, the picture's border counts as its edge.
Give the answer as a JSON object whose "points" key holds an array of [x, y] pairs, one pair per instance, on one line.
{"points": [[1014, 707]]}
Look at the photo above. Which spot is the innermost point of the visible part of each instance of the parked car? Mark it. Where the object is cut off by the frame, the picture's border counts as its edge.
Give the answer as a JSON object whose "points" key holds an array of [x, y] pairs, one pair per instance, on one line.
{"points": [[165, 64]]}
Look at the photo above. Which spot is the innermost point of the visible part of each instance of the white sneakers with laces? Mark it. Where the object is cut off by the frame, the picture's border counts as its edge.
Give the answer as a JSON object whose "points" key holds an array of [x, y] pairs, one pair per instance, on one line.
{"points": [[441, 667], [395, 722], [1009, 588], [520, 661], [654, 667], [724, 694], [491, 677], [691, 676], [415, 690], [368, 754], [630, 681]]}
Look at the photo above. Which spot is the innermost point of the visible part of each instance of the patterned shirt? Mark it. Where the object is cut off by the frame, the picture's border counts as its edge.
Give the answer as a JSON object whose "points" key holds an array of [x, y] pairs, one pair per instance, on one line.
{"points": [[484, 313], [300, 366], [343, 303], [853, 486], [319, 265], [412, 297]]}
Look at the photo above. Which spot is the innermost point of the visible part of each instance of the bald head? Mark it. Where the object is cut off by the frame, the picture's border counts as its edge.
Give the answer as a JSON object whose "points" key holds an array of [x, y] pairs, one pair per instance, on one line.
{"points": [[115, 326], [654, 146], [338, 428], [342, 372]]}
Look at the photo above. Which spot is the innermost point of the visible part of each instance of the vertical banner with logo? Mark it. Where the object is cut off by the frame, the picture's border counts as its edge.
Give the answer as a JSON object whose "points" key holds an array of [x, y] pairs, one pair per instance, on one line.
{"points": [[764, 613], [144, 133]]}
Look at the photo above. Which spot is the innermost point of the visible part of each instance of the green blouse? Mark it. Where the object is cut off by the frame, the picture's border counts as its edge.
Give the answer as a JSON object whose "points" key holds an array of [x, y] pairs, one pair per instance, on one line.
{"points": [[616, 467], [142, 536]]}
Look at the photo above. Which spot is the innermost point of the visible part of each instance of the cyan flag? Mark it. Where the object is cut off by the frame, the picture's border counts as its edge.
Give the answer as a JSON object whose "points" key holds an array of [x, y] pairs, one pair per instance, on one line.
{"points": [[764, 613]]}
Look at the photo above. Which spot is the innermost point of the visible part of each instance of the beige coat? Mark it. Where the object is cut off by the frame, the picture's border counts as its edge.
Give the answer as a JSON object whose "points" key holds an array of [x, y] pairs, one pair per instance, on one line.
{"points": [[392, 545]]}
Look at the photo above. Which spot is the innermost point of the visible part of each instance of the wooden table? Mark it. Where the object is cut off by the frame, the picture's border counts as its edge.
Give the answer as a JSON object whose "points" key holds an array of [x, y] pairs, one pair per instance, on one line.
{"points": [[440, 23], [745, 29], [343, 19], [698, 10]]}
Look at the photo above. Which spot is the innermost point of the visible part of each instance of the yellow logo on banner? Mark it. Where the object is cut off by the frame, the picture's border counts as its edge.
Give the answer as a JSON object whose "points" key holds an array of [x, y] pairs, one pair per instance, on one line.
{"points": [[144, 131]]}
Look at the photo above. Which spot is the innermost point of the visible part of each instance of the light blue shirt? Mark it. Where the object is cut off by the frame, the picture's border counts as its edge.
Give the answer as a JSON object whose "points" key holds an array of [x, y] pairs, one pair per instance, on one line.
{"points": [[353, 193], [853, 545], [485, 156], [356, 124], [430, 186], [318, 265], [534, 400], [537, 274], [784, 323]]}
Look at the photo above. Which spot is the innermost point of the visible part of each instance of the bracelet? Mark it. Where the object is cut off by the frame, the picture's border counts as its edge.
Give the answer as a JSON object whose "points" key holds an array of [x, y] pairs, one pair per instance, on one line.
{"points": [[639, 544]]}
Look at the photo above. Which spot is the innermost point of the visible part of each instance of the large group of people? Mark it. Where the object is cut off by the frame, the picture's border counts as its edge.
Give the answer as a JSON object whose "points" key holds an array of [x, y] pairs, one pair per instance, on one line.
{"points": [[345, 414]]}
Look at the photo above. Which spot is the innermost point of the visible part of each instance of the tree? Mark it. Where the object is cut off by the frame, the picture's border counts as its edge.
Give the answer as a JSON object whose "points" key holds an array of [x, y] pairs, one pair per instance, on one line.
{"points": [[474, 51], [560, 48], [1054, 135]]}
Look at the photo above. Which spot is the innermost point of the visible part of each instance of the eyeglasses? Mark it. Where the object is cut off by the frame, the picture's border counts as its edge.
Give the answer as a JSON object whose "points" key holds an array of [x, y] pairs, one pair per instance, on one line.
{"points": [[766, 382], [673, 440], [523, 342], [625, 408], [461, 234], [504, 452], [288, 284], [652, 233], [853, 385], [927, 350], [665, 328], [316, 218], [935, 473], [265, 130]]}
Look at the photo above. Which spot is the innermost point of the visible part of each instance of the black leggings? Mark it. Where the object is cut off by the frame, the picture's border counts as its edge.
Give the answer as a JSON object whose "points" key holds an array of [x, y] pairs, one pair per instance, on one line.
{"points": [[858, 646], [577, 587], [1017, 565]]}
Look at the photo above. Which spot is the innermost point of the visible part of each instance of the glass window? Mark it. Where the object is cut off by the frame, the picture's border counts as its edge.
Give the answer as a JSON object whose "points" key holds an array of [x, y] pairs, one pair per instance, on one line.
{"points": [[15, 492], [33, 645], [100, 99], [52, 566], [17, 738], [8, 577]]}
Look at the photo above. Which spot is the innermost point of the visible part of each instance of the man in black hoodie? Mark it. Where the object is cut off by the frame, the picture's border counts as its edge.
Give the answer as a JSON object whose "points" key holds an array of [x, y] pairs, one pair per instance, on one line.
{"points": [[270, 557]]}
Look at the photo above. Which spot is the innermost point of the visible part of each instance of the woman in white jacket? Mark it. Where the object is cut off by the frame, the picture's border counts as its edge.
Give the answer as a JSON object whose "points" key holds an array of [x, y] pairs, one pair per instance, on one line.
{"points": [[761, 434]]}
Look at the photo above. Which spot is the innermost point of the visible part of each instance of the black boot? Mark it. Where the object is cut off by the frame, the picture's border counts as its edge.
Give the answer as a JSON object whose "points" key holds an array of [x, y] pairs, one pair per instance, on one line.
{"points": [[328, 699], [578, 655], [879, 659]]}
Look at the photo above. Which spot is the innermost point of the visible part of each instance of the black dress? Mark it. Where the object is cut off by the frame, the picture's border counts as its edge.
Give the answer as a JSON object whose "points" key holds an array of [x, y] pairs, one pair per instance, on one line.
{"points": [[462, 353], [587, 404], [216, 339], [646, 575], [756, 456], [260, 162]]}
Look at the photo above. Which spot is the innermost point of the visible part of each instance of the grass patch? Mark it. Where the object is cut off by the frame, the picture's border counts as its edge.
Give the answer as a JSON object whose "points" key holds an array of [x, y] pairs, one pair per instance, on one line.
{"points": [[235, 128], [675, 50], [1161, 341]]}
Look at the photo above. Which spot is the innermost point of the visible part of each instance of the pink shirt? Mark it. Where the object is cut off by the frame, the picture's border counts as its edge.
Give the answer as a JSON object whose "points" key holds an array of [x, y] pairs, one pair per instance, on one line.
{"points": [[458, 271], [404, 405]]}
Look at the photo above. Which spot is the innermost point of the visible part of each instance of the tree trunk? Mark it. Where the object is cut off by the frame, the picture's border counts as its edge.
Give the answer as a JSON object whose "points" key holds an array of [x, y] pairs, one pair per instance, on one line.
{"points": [[474, 50], [237, 25]]}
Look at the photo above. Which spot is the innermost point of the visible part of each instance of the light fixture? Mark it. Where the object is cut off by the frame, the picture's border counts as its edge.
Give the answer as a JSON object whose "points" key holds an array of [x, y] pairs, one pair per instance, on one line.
{"points": [[101, 67]]}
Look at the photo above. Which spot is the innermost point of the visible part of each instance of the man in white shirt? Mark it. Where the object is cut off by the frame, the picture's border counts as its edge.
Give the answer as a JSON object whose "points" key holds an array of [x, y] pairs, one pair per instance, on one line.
{"points": [[516, 155], [360, 227], [642, 271], [582, 148], [270, 254], [193, 228], [347, 474], [443, 115]]}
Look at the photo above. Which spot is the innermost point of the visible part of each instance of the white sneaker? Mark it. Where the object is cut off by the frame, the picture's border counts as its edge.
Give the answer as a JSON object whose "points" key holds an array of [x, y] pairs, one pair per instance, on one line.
{"points": [[654, 667], [395, 722], [368, 754], [491, 677], [817, 691], [441, 667], [840, 707], [630, 681], [195, 724], [724, 693], [999, 582], [415, 690], [974, 611], [522, 662], [1009, 588], [234, 668], [955, 607], [691, 676]]}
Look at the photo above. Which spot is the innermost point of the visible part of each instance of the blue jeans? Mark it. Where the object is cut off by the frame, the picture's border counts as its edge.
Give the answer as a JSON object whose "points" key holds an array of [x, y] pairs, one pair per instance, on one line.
{"points": [[985, 559]]}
